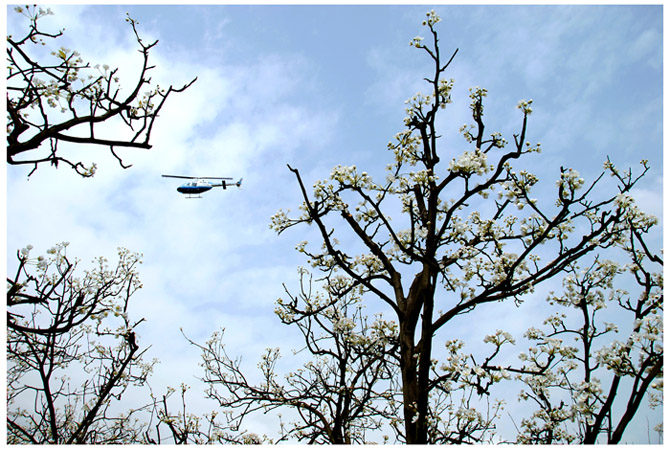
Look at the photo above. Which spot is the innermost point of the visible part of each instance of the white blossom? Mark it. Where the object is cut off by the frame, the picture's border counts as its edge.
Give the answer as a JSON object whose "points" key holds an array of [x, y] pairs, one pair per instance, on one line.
{"points": [[470, 162]]}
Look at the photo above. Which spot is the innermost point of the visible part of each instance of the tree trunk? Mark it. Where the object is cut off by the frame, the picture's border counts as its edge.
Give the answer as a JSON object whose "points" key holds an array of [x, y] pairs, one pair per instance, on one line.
{"points": [[415, 360], [410, 384]]}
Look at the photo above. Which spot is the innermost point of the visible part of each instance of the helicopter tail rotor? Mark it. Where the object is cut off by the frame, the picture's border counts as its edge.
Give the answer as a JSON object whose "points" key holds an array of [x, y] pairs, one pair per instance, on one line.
{"points": [[225, 186]]}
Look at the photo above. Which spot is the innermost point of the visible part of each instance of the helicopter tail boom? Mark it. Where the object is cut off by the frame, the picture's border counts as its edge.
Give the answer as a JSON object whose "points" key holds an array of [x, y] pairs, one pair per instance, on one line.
{"points": [[237, 184]]}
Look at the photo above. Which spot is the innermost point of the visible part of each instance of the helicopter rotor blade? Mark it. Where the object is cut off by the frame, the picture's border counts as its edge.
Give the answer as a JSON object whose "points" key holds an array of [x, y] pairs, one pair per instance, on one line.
{"points": [[180, 177], [194, 177]]}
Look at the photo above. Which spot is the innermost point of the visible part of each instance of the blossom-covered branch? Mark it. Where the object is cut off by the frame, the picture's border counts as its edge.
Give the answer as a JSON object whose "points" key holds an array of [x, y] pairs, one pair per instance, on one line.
{"points": [[68, 100]]}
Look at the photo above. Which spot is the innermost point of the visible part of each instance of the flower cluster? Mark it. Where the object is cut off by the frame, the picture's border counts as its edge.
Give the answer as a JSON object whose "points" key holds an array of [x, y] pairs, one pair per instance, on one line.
{"points": [[499, 338], [569, 182], [524, 105], [432, 18], [25, 252], [470, 162], [280, 221], [476, 105], [348, 176], [587, 398], [383, 331], [517, 187], [344, 325], [632, 213], [466, 130], [414, 107], [615, 357], [416, 42], [33, 12], [547, 424], [405, 148], [444, 91]]}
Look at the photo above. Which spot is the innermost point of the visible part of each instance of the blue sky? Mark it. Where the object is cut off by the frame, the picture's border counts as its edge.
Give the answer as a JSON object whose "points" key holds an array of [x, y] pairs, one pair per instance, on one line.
{"points": [[316, 86]]}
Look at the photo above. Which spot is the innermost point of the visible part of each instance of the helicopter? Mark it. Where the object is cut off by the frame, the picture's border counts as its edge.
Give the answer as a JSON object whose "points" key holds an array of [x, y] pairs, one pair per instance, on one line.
{"points": [[198, 184]]}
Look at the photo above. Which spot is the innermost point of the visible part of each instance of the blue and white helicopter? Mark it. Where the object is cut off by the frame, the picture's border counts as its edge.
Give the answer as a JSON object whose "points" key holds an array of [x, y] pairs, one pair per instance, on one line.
{"points": [[198, 184]]}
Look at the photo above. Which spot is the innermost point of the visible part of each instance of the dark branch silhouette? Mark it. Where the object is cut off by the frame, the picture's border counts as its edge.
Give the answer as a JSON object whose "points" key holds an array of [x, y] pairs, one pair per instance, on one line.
{"points": [[68, 100]]}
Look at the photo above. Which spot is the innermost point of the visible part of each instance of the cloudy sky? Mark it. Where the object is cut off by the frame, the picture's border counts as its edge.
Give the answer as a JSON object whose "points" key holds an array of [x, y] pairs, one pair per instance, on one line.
{"points": [[314, 87]]}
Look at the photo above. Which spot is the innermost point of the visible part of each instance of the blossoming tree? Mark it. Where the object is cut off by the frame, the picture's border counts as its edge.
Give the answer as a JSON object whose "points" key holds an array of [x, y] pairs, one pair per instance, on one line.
{"points": [[340, 394], [67, 100], [467, 232], [71, 350]]}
